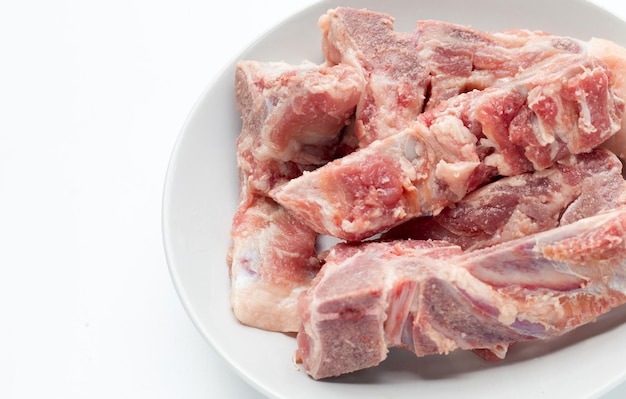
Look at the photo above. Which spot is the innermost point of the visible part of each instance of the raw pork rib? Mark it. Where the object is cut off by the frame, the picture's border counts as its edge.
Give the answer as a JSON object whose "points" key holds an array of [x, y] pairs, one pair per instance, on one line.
{"points": [[292, 117], [429, 297], [409, 71], [297, 112], [564, 106], [273, 260], [292, 120], [461, 59], [396, 77], [575, 187], [615, 57]]}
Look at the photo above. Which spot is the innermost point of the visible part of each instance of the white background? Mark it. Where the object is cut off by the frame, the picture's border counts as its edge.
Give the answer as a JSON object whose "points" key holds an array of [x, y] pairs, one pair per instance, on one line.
{"points": [[92, 98]]}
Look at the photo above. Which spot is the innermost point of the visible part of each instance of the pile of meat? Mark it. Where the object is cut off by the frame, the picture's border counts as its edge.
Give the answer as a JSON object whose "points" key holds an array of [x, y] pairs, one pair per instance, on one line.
{"points": [[471, 180]]}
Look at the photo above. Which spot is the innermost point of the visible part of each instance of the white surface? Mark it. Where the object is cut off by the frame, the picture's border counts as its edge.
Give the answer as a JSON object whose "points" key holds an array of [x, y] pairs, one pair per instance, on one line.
{"points": [[92, 98]]}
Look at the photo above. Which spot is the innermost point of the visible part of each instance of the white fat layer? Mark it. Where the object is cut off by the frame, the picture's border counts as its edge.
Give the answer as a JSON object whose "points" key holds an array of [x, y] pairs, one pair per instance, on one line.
{"points": [[537, 95]]}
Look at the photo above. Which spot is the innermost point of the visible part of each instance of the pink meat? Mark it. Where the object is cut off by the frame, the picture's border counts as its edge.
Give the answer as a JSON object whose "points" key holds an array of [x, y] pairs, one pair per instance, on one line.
{"points": [[409, 71], [461, 59], [519, 125], [575, 187], [293, 116], [296, 111], [272, 261], [431, 298], [411, 173], [615, 57], [566, 105], [396, 77]]}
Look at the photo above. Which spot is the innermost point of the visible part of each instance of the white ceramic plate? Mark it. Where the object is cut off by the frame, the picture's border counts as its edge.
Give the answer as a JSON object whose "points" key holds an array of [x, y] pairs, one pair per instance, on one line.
{"points": [[201, 194]]}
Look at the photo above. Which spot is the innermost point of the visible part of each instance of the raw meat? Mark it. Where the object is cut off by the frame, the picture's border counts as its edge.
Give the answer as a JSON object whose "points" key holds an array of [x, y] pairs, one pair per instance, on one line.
{"points": [[575, 187], [272, 261], [615, 57], [500, 103], [409, 71], [292, 118], [396, 77], [461, 59], [431, 298], [385, 183], [563, 106], [297, 112]]}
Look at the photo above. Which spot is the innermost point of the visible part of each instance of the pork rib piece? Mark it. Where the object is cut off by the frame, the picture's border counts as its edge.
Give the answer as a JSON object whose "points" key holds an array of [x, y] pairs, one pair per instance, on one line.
{"points": [[396, 78], [296, 112], [409, 71], [564, 106], [417, 171], [615, 57], [431, 298], [273, 259], [292, 119], [461, 58], [576, 187]]}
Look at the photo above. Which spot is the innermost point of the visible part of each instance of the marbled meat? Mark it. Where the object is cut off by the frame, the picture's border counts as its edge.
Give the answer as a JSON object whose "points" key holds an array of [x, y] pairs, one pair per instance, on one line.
{"points": [[561, 107], [574, 188], [430, 297], [292, 120]]}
